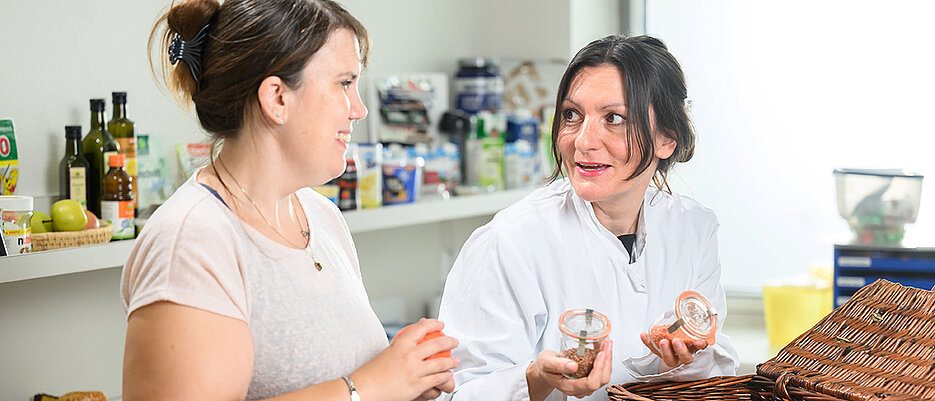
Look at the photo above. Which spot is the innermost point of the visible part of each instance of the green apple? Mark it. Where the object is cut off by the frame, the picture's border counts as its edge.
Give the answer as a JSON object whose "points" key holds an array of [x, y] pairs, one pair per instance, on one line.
{"points": [[40, 222], [68, 215]]}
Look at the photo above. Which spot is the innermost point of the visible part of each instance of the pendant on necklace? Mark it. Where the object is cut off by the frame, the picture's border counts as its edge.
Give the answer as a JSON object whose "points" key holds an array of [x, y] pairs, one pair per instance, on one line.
{"points": [[318, 265]]}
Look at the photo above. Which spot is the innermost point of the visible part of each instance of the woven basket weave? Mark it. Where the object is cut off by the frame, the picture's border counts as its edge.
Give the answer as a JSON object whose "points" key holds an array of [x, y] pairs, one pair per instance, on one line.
{"points": [[750, 387], [880, 345], [68, 239]]}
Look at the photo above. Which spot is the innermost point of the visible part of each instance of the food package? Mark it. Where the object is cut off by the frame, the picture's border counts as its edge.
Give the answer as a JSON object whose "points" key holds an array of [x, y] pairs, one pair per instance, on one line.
{"points": [[9, 158]]}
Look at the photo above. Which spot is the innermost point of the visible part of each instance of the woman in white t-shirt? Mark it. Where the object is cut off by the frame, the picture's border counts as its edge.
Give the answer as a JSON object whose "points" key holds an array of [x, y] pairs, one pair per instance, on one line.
{"points": [[245, 284], [601, 238]]}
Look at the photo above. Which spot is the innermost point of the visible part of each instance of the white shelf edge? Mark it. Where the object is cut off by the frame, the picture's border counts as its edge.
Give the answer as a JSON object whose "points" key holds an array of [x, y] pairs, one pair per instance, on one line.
{"points": [[59, 262], [396, 216], [114, 254]]}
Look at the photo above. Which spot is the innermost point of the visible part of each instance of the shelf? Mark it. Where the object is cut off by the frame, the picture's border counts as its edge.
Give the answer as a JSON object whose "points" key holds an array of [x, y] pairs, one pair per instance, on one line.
{"points": [[58, 262], [114, 254], [395, 216]]}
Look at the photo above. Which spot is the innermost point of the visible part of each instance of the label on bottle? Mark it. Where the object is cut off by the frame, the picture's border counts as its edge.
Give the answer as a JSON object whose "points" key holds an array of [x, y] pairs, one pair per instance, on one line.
{"points": [[78, 185], [128, 149], [120, 215]]}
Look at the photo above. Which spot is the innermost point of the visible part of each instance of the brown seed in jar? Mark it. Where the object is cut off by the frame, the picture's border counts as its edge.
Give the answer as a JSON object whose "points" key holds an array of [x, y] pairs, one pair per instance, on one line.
{"points": [[585, 362]]}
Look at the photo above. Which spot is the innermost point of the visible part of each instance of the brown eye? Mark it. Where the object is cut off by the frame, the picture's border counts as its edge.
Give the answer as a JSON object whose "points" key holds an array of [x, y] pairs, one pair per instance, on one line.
{"points": [[570, 115], [615, 119]]}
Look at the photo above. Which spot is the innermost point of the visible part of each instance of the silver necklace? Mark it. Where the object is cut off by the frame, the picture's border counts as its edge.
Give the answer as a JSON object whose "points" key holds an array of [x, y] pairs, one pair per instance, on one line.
{"points": [[305, 233]]}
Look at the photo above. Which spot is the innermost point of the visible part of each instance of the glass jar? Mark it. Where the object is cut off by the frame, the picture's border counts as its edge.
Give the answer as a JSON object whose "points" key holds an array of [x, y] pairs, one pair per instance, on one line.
{"points": [[17, 231], [691, 318], [583, 333]]}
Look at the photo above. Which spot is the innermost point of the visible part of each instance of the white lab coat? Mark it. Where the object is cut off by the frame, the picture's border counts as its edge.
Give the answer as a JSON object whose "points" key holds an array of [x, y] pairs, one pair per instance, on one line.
{"points": [[548, 253]]}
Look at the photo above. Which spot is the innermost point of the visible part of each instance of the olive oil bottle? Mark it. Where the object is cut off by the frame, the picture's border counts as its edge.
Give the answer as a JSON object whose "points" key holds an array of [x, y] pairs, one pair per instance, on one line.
{"points": [[98, 145], [73, 170], [122, 130]]}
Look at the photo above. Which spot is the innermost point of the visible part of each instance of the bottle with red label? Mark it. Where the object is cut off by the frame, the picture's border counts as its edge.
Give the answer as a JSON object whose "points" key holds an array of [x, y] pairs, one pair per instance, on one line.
{"points": [[117, 202]]}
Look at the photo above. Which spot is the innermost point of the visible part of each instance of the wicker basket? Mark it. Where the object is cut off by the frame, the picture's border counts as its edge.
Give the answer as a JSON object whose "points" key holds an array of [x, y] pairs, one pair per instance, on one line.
{"points": [[750, 387], [880, 345], [68, 239]]}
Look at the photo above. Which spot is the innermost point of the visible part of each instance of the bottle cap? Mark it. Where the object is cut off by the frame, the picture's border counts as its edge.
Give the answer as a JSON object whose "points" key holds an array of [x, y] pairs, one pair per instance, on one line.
{"points": [[73, 131], [97, 104], [119, 97], [479, 62], [116, 160]]}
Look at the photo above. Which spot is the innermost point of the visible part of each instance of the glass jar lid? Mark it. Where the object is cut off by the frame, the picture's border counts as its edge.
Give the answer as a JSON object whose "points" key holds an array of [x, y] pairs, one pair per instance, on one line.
{"points": [[584, 324], [697, 316]]}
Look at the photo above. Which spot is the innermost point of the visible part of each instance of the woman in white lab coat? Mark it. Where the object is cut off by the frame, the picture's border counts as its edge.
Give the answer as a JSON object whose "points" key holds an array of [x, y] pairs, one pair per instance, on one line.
{"points": [[599, 238]]}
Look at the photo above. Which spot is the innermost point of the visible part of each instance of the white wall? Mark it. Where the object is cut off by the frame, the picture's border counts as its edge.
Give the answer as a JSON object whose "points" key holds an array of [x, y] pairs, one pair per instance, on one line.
{"points": [[783, 94], [592, 19], [57, 55], [66, 333]]}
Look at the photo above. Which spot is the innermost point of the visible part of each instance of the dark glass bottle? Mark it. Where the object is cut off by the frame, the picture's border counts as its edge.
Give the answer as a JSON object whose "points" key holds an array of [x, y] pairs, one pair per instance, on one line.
{"points": [[73, 170], [117, 204], [122, 130], [348, 196], [98, 145]]}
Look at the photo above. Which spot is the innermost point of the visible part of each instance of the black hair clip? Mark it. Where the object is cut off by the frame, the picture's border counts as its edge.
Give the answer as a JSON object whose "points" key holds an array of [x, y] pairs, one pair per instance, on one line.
{"points": [[189, 51]]}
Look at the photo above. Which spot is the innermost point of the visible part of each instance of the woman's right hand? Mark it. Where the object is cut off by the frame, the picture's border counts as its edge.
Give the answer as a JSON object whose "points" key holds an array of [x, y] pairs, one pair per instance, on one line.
{"points": [[402, 373], [546, 373]]}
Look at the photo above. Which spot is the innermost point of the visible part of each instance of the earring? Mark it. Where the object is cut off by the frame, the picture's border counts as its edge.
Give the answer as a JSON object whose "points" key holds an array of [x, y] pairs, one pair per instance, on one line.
{"points": [[281, 121]]}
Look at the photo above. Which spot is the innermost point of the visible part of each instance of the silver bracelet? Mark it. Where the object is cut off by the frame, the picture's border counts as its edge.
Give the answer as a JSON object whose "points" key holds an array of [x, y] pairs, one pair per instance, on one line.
{"points": [[351, 388]]}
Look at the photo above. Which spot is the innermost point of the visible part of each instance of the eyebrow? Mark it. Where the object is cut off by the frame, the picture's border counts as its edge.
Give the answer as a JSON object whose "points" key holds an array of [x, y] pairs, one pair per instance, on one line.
{"points": [[609, 106]]}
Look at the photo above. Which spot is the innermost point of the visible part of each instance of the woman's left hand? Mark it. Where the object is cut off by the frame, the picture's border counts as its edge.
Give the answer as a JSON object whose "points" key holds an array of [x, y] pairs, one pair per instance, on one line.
{"points": [[678, 352], [436, 392]]}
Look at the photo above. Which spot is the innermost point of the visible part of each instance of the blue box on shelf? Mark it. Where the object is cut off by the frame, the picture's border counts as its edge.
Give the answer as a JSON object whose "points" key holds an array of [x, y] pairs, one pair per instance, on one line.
{"points": [[857, 265]]}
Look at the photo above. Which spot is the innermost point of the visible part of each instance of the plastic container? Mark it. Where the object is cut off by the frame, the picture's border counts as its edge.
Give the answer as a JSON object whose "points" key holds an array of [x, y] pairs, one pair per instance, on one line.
{"points": [[521, 125], [791, 309], [583, 332], [692, 317], [370, 175], [519, 165], [402, 176], [478, 85], [17, 231], [877, 204]]}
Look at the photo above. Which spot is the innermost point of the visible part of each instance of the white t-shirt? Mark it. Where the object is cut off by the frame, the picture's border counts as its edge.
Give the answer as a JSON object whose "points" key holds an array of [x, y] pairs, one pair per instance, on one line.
{"points": [[307, 326], [548, 253]]}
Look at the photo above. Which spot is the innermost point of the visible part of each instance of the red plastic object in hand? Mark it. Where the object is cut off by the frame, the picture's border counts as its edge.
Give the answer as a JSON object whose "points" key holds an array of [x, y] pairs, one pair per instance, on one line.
{"points": [[431, 335]]}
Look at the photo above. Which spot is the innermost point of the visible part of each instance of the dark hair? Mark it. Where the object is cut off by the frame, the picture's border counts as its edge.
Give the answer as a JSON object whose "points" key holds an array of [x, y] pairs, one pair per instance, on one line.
{"points": [[652, 77], [248, 40]]}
